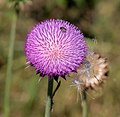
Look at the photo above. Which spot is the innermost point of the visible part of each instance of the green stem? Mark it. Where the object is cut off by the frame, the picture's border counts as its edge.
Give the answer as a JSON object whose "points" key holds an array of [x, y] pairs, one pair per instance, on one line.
{"points": [[49, 98], [9, 67], [84, 104]]}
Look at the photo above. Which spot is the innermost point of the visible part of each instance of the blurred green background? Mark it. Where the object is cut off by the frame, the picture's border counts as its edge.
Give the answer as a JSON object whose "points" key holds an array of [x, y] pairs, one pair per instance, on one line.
{"points": [[97, 19]]}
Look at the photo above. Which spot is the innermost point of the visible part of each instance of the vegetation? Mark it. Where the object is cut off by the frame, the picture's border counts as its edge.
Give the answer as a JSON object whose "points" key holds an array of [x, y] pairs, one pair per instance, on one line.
{"points": [[98, 20]]}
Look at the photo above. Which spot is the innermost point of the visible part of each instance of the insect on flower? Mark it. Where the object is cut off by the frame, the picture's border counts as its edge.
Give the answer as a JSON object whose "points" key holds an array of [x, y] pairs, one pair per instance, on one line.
{"points": [[63, 29]]}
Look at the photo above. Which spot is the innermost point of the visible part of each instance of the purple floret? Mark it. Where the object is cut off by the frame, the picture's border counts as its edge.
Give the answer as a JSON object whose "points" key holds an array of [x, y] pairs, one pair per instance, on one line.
{"points": [[55, 48]]}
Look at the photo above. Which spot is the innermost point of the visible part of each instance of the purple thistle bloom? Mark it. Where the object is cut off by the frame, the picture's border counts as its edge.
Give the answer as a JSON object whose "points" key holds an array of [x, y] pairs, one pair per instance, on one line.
{"points": [[55, 48]]}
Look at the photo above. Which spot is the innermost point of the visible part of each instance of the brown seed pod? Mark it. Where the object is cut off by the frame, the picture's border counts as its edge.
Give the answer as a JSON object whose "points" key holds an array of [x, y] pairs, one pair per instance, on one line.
{"points": [[93, 71]]}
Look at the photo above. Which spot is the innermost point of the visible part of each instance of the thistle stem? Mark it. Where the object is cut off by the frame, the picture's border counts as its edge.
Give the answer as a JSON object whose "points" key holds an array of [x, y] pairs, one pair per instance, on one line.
{"points": [[49, 98], [84, 104], [9, 67]]}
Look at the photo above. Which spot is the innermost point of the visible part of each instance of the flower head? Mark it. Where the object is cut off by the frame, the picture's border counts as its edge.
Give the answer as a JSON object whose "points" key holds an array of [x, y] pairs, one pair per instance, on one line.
{"points": [[55, 48], [92, 72]]}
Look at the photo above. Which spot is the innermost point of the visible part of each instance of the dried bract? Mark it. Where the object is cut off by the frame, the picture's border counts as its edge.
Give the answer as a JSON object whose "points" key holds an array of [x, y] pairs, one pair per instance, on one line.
{"points": [[93, 71]]}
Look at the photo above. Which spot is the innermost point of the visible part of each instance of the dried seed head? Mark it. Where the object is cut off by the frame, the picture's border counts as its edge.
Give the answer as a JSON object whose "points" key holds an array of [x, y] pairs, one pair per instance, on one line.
{"points": [[93, 71]]}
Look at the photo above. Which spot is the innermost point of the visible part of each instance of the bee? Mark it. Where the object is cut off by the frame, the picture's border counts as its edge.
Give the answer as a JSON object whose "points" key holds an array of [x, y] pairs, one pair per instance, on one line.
{"points": [[63, 29]]}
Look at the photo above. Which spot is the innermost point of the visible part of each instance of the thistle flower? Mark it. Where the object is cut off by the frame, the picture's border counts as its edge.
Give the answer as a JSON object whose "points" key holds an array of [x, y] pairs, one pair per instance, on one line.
{"points": [[55, 48], [92, 72]]}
